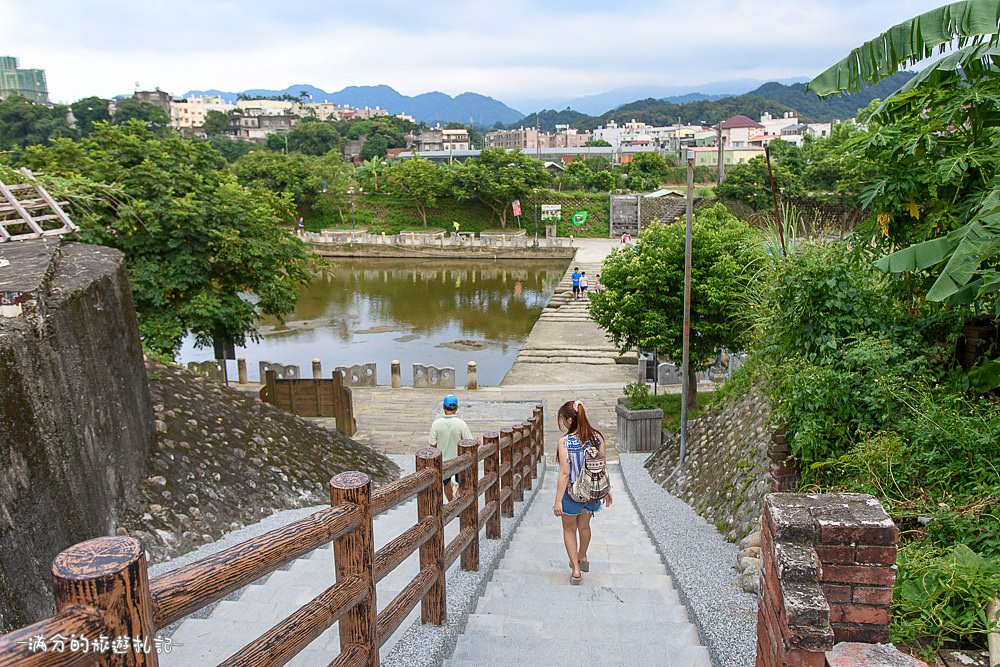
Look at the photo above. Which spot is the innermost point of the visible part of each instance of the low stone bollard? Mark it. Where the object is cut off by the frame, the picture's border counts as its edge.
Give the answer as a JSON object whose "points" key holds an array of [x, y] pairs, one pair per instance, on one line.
{"points": [[472, 380], [425, 377], [669, 373], [281, 371], [359, 375], [317, 369], [241, 370], [397, 376]]}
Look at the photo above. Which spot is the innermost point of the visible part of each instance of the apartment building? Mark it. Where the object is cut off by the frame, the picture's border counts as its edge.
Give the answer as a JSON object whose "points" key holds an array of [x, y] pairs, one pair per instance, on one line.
{"points": [[531, 139], [190, 112], [28, 83]]}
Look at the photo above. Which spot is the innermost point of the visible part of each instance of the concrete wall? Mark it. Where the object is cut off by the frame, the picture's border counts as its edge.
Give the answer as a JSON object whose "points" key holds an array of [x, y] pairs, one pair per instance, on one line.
{"points": [[76, 426]]}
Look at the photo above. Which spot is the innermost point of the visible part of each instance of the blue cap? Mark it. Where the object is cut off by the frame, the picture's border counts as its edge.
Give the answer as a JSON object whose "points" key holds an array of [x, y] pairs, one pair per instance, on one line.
{"points": [[450, 402]]}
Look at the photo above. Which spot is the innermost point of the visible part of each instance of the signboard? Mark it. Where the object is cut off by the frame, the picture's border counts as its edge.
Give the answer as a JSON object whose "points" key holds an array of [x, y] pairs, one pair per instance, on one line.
{"points": [[517, 207], [551, 211], [224, 349]]}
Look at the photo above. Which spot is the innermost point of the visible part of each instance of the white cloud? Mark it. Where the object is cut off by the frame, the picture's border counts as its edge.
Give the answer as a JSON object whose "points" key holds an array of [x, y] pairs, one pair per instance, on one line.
{"points": [[514, 50]]}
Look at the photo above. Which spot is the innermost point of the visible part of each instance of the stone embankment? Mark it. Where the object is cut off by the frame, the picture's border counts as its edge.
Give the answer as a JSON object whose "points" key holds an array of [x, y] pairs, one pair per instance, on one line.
{"points": [[223, 459], [725, 474]]}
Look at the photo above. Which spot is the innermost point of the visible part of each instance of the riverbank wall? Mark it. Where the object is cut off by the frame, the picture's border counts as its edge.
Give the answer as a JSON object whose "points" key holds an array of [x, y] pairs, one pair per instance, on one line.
{"points": [[447, 252]]}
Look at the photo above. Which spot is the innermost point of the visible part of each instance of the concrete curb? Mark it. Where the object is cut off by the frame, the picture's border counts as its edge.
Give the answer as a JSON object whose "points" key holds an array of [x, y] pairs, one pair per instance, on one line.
{"points": [[699, 560], [429, 645]]}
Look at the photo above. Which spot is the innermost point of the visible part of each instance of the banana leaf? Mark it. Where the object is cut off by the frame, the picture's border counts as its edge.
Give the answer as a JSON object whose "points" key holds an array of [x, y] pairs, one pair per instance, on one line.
{"points": [[969, 21]]}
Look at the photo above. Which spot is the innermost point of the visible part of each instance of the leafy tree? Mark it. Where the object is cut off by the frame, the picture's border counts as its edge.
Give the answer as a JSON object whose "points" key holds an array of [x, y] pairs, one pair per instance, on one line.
{"points": [[132, 108], [196, 241], [750, 183], [646, 171], [88, 111], [597, 143], [314, 137], [216, 123], [421, 181], [497, 177], [375, 146], [301, 177], [642, 302], [937, 140], [370, 171], [25, 123], [231, 149]]}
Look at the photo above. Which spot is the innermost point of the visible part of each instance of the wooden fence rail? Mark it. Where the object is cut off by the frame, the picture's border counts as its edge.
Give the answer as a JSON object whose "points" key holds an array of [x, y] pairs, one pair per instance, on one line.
{"points": [[105, 600]]}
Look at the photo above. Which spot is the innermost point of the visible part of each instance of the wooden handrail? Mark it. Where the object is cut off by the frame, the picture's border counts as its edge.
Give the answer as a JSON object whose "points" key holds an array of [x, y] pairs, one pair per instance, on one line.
{"points": [[396, 611], [16, 648], [189, 588], [283, 641], [102, 588], [400, 491], [389, 557], [452, 467]]}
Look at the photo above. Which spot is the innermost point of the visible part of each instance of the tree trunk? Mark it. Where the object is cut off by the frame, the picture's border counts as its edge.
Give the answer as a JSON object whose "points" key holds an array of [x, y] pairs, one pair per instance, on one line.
{"points": [[692, 391]]}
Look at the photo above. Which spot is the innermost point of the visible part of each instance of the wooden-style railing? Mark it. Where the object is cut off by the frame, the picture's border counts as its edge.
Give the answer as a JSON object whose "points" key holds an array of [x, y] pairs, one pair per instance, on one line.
{"points": [[102, 589]]}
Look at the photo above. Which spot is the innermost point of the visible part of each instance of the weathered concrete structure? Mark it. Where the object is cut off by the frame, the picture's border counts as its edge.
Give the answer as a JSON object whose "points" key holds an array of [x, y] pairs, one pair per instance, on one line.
{"points": [[76, 423]]}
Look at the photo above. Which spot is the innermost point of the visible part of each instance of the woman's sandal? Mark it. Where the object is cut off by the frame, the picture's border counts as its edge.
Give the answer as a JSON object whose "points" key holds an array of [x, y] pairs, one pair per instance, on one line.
{"points": [[575, 581], [584, 566]]}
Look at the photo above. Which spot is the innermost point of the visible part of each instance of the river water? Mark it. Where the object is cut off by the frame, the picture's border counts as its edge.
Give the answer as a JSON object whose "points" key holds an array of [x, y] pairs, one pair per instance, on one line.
{"points": [[436, 312]]}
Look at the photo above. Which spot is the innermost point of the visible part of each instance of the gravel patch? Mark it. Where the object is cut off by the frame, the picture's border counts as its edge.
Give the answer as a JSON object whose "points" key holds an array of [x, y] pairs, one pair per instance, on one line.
{"points": [[429, 645], [701, 563]]}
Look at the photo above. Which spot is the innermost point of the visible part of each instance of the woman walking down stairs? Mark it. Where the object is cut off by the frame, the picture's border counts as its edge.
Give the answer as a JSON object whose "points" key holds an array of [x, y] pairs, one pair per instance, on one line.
{"points": [[625, 612]]}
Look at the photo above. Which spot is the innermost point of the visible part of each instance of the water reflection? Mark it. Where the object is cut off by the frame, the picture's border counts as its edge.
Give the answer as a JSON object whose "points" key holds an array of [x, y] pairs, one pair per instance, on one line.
{"points": [[440, 312]]}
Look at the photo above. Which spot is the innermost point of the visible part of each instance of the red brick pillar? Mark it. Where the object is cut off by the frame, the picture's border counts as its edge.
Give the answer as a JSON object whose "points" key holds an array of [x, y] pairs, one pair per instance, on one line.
{"points": [[827, 570]]}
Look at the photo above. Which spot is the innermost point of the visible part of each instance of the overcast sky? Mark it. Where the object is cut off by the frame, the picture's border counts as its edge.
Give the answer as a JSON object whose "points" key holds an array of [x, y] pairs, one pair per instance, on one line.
{"points": [[516, 51]]}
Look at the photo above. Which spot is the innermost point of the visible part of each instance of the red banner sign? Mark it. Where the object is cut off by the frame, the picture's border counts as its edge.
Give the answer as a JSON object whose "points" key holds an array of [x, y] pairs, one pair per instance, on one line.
{"points": [[517, 207]]}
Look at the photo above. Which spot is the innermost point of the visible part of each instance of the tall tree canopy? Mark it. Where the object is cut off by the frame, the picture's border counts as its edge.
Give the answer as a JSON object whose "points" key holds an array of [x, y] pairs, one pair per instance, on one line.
{"points": [[498, 177], [205, 254], [642, 303]]}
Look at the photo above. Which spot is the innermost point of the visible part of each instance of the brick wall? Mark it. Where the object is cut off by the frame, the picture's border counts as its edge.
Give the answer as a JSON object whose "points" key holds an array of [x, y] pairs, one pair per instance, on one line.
{"points": [[828, 567]]}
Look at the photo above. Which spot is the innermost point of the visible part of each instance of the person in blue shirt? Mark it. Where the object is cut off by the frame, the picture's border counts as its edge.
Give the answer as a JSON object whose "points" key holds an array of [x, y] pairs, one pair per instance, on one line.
{"points": [[575, 277]]}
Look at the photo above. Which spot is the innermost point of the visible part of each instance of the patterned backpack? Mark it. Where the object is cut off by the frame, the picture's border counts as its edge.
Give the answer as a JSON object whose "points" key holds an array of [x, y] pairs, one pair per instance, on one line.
{"points": [[592, 483]]}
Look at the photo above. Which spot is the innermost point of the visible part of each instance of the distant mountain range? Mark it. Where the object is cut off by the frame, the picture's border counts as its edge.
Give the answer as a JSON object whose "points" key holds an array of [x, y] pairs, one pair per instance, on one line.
{"points": [[597, 104], [695, 108], [428, 108]]}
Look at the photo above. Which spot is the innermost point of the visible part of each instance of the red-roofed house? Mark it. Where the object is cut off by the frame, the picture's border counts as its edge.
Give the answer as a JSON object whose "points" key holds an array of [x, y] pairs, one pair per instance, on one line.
{"points": [[737, 130]]}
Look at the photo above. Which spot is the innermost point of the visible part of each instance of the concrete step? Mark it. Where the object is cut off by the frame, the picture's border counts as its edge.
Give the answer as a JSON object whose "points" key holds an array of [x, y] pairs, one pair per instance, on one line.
{"points": [[566, 594], [571, 650]]}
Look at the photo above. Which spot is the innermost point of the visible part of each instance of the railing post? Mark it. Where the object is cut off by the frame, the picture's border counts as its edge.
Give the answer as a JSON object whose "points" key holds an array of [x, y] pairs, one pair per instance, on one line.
{"points": [[491, 464], [433, 607], [506, 435], [528, 452], [241, 370], [354, 555], [109, 575], [317, 369], [518, 457], [469, 518], [539, 412]]}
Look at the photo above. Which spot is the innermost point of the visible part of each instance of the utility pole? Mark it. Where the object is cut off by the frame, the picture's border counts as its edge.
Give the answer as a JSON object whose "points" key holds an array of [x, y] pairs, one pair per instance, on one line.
{"points": [[686, 335]]}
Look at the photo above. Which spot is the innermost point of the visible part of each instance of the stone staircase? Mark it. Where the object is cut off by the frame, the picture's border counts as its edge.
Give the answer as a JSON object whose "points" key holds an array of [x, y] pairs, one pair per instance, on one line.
{"points": [[626, 611], [234, 623]]}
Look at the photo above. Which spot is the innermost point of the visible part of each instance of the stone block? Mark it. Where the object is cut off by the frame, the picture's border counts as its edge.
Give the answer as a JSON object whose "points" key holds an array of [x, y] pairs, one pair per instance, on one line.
{"points": [[212, 369], [359, 375], [859, 574], [433, 377], [669, 373], [854, 654], [281, 371]]}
